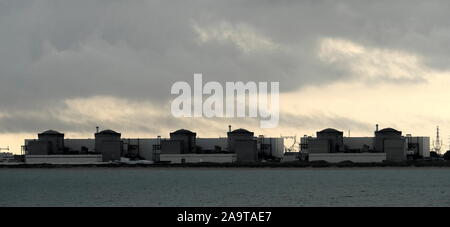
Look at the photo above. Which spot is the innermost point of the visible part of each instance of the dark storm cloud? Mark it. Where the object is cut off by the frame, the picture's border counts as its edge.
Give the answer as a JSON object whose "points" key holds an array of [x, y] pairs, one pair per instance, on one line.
{"points": [[320, 122], [19, 122], [54, 50]]}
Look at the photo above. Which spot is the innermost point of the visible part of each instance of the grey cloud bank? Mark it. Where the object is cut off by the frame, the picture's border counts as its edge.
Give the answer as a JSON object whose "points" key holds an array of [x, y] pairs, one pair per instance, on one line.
{"points": [[51, 51]]}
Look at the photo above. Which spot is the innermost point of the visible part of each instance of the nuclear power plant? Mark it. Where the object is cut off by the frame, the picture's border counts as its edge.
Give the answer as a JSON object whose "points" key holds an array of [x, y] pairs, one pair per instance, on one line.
{"points": [[239, 146], [182, 146]]}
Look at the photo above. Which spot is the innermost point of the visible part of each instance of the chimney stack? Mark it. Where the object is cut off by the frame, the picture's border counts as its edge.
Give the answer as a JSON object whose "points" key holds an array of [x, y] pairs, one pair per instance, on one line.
{"points": [[376, 130], [229, 128]]}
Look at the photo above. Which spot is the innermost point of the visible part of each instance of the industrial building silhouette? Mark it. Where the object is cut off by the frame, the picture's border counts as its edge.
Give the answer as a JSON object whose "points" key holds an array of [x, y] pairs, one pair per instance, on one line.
{"points": [[181, 147], [386, 144], [240, 145]]}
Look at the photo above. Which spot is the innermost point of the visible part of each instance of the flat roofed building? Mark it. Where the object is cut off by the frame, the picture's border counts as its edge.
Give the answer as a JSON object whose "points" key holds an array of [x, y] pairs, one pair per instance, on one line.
{"points": [[353, 157], [172, 146], [198, 158], [246, 151], [318, 146]]}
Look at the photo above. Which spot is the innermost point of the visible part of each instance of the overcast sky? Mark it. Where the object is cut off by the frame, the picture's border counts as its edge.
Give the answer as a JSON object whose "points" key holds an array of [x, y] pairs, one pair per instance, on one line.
{"points": [[72, 65]]}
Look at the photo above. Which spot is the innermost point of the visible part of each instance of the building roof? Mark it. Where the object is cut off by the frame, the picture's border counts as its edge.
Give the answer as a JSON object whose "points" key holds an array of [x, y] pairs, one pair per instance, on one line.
{"points": [[183, 131], [241, 131], [389, 130], [51, 132], [330, 130], [107, 132]]}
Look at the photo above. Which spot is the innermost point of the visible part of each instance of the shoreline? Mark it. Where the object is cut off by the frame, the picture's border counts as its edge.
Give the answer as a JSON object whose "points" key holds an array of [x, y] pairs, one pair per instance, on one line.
{"points": [[258, 165]]}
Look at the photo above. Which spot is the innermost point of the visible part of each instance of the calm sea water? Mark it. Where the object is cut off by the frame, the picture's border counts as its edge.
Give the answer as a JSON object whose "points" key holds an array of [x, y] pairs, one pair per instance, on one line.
{"points": [[225, 187]]}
